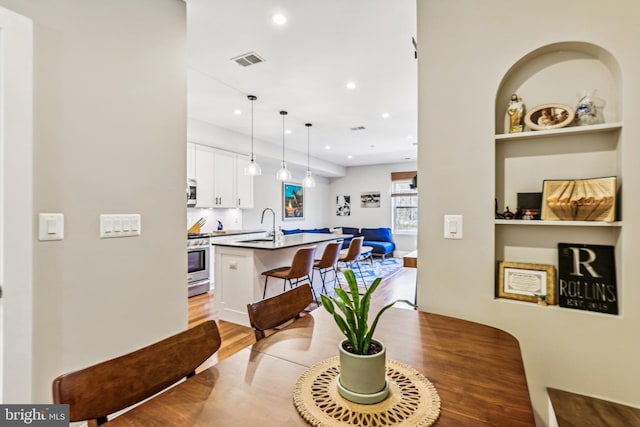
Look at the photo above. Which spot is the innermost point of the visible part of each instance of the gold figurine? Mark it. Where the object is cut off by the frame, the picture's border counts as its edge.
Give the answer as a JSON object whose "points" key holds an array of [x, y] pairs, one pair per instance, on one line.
{"points": [[516, 114]]}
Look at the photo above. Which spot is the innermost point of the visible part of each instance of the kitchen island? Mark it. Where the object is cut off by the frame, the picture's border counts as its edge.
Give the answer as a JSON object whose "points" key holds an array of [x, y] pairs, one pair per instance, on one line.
{"points": [[239, 267]]}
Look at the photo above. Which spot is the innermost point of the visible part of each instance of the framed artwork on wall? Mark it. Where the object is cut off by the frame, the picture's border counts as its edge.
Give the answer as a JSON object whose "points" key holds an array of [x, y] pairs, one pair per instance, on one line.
{"points": [[370, 199], [343, 205], [292, 201]]}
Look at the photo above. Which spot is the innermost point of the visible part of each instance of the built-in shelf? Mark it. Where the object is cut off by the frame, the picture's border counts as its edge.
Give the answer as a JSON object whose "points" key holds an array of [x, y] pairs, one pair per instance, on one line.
{"points": [[558, 223], [576, 130], [556, 308]]}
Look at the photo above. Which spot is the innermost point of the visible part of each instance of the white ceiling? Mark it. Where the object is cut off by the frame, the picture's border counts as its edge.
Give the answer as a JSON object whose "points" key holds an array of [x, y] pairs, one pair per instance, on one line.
{"points": [[308, 62]]}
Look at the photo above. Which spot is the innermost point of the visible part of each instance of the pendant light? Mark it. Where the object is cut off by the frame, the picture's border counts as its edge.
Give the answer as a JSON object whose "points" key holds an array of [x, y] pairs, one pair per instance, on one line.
{"points": [[308, 180], [253, 168], [283, 173]]}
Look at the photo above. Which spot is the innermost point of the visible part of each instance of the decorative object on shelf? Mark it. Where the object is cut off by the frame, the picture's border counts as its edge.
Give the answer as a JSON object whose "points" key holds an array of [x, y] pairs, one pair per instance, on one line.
{"points": [[343, 205], [549, 116], [308, 180], [542, 300], [220, 226], [589, 108], [580, 200], [524, 282], [413, 400], [515, 111], [499, 215], [283, 173], [587, 277], [508, 214], [362, 377], [292, 201], [253, 168], [530, 203], [370, 199]]}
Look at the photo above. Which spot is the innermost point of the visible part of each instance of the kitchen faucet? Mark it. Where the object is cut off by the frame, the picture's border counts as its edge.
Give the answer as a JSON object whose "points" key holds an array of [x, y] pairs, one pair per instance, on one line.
{"points": [[272, 233]]}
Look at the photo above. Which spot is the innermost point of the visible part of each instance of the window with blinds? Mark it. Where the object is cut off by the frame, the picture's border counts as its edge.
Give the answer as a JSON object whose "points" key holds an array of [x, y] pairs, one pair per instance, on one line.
{"points": [[404, 202]]}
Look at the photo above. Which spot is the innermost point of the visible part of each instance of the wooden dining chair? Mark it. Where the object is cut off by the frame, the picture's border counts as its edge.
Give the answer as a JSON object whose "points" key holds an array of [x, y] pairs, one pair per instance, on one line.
{"points": [[351, 256], [97, 391], [328, 262], [300, 269], [268, 314]]}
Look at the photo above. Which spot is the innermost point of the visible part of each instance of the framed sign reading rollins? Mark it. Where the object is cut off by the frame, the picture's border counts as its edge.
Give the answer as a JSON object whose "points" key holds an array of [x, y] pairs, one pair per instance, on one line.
{"points": [[292, 201], [526, 282]]}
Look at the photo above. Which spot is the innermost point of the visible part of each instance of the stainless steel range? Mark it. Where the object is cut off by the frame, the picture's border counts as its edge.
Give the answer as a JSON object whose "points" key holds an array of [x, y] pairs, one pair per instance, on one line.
{"points": [[199, 268]]}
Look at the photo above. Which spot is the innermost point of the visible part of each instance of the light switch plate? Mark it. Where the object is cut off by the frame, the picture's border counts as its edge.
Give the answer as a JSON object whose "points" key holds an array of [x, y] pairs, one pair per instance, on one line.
{"points": [[120, 225], [453, 226], [51, 226]]}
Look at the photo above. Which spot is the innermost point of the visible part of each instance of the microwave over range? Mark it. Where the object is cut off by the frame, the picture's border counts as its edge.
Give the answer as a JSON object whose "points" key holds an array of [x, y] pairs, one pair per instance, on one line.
{"points": [[192, 192]]}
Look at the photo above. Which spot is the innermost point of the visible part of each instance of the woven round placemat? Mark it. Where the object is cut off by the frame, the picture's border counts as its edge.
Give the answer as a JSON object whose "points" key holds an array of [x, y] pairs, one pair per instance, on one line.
{"points": [[412, 402]]}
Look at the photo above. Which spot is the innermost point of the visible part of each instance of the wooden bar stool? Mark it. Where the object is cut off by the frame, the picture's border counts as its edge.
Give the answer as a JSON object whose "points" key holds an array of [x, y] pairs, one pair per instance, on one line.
{"points": [[300, 269], [328, 262], [352, 254]]}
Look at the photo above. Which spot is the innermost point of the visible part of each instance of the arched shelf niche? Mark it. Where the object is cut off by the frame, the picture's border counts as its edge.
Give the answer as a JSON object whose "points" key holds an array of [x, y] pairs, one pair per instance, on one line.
{"points": [[558, 73]]}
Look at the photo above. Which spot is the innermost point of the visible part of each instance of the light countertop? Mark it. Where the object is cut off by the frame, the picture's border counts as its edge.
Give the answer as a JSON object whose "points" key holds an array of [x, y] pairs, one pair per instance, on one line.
{"points": [[289, 241]]}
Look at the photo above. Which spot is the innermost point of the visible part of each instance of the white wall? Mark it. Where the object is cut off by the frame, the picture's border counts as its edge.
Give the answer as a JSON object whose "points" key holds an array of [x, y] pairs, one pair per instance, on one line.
{"points": [[362, 179], [464, 52], [109, 135], [267, 193]]}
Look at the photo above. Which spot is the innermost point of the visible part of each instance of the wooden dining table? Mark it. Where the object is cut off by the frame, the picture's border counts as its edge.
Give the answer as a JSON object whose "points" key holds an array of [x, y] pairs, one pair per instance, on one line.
{"points": [[476, 369]]}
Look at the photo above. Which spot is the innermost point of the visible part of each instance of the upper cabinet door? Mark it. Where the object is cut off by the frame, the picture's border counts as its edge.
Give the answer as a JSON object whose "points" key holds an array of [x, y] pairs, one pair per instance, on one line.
{"points": [[224, 166], [204, 176], [244, 183]]}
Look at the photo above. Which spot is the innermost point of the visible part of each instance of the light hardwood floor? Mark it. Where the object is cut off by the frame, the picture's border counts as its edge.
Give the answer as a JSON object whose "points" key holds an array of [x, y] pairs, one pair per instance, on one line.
{"points": [[401, 285]]}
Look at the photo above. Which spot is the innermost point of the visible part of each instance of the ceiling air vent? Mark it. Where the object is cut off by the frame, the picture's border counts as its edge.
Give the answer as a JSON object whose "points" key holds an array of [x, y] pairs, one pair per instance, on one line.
{"points": [[358, 128], [247, 59]]}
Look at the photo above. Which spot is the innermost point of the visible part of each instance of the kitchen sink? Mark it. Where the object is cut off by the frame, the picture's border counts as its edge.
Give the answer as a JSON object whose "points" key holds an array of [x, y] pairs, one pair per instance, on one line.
{"points": [[265, 239]]}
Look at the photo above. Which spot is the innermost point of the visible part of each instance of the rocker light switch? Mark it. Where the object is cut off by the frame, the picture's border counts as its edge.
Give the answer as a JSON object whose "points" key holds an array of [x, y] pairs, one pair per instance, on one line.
{"points": [[51, 226], [453, 226]]}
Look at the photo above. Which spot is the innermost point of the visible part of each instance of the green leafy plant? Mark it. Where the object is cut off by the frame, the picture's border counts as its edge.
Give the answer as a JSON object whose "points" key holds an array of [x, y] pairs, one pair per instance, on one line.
{"points": [[353, 314]]}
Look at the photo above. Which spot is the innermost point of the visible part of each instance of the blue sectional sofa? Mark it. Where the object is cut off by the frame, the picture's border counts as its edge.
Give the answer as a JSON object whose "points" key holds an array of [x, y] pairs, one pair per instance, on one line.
{"points": [[380, 239]]}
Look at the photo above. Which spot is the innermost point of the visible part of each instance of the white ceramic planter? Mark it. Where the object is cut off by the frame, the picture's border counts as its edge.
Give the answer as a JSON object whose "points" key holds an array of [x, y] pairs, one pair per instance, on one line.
{"points": [[363, 378]]}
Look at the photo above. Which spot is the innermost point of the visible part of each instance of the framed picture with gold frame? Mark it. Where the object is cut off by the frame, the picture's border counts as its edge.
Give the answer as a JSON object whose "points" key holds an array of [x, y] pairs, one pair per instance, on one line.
{"points": [[526, 282]]}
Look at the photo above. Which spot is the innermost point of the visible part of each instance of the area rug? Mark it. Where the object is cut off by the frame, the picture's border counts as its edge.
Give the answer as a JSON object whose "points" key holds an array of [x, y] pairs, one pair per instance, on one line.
{"points": [[383, 269]]}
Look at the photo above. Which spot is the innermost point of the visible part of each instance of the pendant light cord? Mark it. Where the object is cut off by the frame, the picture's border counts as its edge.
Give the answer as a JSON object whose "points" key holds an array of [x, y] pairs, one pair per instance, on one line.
{"points": [[283, 113], [252, 130], [308, 125]]}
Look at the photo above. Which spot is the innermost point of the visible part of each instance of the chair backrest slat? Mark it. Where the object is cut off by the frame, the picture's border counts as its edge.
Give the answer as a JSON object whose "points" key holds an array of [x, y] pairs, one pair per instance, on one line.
{"points": [[271, 312], [107, 387]]}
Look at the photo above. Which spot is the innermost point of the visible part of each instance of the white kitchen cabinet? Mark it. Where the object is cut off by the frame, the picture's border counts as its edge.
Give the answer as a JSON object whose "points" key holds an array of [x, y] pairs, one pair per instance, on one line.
{"points": [[244, 183], [204, 176], [220, 177], [224, 181]]}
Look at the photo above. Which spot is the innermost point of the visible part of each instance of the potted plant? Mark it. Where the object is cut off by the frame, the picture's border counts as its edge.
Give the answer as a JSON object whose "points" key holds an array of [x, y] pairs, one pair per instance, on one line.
{"points": [[362, 377]]}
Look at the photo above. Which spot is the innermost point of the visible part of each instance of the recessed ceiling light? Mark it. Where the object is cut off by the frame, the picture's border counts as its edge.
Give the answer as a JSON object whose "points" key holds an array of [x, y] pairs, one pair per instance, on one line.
{"points": [[279, 19], [349, 156], [327, 147], [414, 143], [372, 146], [288, 131], [351, 85], [237, 112], [385, 115], [410, 137]]}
